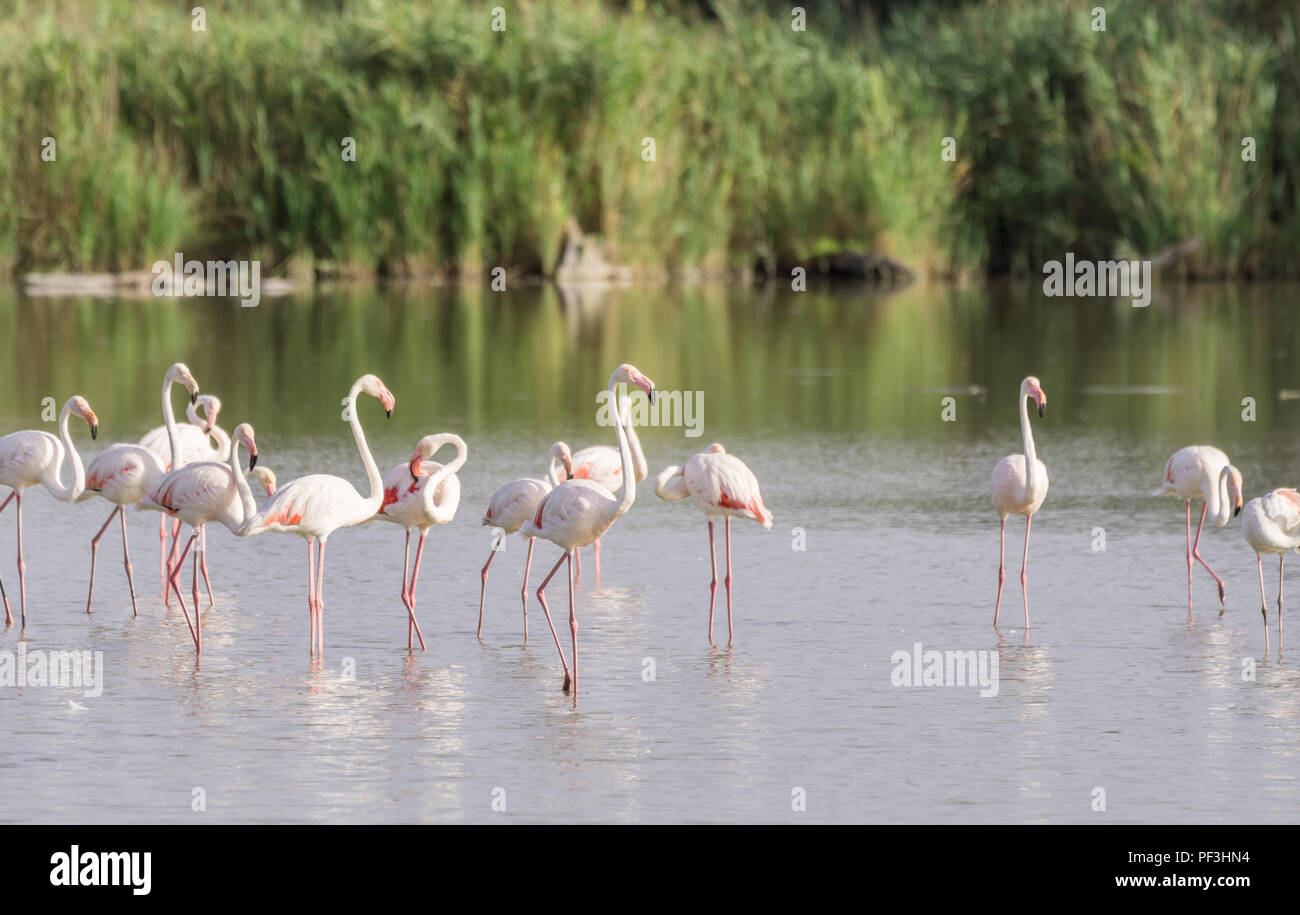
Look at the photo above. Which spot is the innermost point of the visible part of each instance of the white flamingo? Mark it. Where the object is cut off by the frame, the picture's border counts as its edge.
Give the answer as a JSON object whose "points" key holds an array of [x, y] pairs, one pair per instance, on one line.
{"points": [[35, 456], [315, 506], [512, 505], [1203, 472], [1271, 524], [601, 464], [577, 512], [418, 495], [722, 487], [1018, 487]]}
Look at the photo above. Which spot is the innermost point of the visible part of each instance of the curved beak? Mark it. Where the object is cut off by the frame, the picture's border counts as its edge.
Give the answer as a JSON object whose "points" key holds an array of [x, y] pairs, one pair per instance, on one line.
{"points": [[568, 466], [414, 465], [252, 459], [94, 432], [1236, 511], [1042, 409], [388, 400]]}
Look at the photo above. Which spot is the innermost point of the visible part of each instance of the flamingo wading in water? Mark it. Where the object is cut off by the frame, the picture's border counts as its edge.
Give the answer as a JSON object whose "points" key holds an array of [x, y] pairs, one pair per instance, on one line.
{"points": [[35, 456], [1271, 524], [722, 487], [315, 506], [420, 494], [601, 464], [1203, 472], [1018, 487], [209, 491], [577, 512], [512, 505]]}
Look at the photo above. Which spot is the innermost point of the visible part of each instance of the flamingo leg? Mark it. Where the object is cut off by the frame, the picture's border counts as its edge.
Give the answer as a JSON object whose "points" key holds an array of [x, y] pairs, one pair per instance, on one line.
{"points": [[320, 599], [406, 567], [578, 555], [573, 628], [171, 553], [1002, 569], [523, 593], [94, 548], [596, 547], [22, 563], [1281, 557], [541, 597], [9, 616], [311, 594], [162, 551], [126, 562], [175, 586], [194, 585], [731, 634], [482, 593], [713, 583], [1189, 559], [1024, 566], [1196, 554], [203, 563], [410, 602], [1263, 600]]}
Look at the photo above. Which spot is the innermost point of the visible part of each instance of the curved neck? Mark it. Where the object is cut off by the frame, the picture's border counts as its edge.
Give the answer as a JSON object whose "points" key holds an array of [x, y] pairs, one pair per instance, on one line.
{"points": [[1219, 503], [169, 420], [553, 472], [431, 485], [639, 465], [241, 484], [222, 439], [55, 485], [1031, 456], [625, 456], [367, 459]]}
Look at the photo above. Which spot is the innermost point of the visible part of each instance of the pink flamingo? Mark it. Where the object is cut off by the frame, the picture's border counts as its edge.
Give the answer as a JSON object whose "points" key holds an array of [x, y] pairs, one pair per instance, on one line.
{"points": [[124, 474], [1203, 472], [420, 494], [207, 491], [34, 456], [315, 506], [601, 464], [1018, 487], [1271, 524], [512, 505], [722, 487], [577, 512]]}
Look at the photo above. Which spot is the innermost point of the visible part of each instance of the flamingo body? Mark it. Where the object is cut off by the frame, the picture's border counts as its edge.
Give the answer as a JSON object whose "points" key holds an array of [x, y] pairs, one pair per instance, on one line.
{"points": [[1271, 524]]}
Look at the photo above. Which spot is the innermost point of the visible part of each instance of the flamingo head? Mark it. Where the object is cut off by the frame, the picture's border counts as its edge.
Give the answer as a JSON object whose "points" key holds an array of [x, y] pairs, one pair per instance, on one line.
{"points": [[266, 477], [715, 448], [427, 447], [1234, 488], [630, 374], [244, 435], [1032, 387], [211, 407], [83, 410], [181, 372], [375, 388], [560, 452]]}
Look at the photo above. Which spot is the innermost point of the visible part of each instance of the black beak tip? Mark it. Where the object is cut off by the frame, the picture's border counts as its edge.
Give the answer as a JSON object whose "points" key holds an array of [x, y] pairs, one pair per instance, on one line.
{"points": [[252, 461], [1236, 511], [1042, 410], [652, 397], [388, 413], [94, 430]]}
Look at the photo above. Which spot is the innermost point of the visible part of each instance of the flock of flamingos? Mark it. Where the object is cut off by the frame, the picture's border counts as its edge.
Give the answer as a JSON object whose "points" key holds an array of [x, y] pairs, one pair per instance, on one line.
{"points": [[175, 469]]}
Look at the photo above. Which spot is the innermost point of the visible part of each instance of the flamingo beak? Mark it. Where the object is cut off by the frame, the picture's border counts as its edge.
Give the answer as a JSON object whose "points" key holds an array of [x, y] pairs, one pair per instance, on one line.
{"points": [[568, 466], [252, 459], [388, 400], [414, 465], [1236, 511]]}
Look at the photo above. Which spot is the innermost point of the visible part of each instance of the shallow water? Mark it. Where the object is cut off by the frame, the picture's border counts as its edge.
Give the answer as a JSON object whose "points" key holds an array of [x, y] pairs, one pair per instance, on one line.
{"points": [[834, 401]]}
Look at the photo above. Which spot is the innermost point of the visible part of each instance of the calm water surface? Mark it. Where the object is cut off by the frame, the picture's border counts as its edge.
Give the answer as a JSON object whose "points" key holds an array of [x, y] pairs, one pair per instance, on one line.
{"points": [[834, 401]]}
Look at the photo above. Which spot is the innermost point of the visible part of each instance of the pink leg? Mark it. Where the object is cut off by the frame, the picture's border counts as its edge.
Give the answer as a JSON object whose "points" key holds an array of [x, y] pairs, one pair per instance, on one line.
{"points": [[573, 628], [410, 595], [1263, 599], [482, 592], [126, 562], [713, 584], [162, 552], [320, 599], [194, 585], [22, 563], [596, 547], [9, 616], [1189, 559], [175, 586], [578, 555], [1002, 569], [1024, 565], [94, 549], [523, 593], [731, 634], [1196, 554], [406, 568], [1281, 557], [541, 597], [203, 564], [171, 553], [311, 594]]}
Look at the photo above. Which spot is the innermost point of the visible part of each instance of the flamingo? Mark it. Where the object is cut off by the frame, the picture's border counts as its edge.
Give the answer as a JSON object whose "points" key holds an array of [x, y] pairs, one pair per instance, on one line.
{"points": [[124, 474], [601, 464], [577, 512], [207, 491], [1018, 487], [722, 486], [1203, 472], [315, 506], [35, 456], [420, 494], [195, 437], [512, 505], [1271, 524]]}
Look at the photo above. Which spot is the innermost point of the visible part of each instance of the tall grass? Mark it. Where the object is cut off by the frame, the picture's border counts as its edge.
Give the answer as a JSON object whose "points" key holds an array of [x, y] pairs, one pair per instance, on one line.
{"points": [[475, 147]]}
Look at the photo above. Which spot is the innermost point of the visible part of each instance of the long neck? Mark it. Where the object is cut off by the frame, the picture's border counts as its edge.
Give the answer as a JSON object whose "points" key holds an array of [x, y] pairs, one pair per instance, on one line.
{"points": [[1219, 505], [367, 459], [639, 464], [1031, 456], [553, 472], [169, 420], [221, 438], [431, 485], [625, 455], [241, 484], [55, 484]]}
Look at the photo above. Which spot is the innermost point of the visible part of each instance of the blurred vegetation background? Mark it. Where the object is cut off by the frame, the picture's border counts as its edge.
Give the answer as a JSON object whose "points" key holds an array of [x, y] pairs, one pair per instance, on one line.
{"points": [[475, 147]]}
